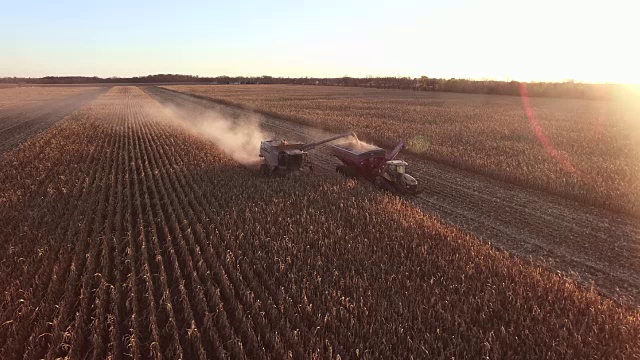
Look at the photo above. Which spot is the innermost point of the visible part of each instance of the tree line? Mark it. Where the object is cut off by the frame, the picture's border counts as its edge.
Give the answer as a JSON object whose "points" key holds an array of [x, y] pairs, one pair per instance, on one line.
{"points": [[568, 89]]}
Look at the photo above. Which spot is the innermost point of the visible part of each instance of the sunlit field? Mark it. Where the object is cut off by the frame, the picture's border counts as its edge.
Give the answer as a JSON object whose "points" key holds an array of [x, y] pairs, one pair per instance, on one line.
{"points": [[581, 149], [126, 234]]}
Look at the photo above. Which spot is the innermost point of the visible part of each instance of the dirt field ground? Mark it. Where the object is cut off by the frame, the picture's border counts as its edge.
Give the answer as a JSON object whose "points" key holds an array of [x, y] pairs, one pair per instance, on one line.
{"points": [[584, 150], [127, 236]]}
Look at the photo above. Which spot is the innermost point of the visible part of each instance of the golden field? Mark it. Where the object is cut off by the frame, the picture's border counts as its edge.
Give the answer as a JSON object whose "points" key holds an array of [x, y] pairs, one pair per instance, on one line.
{"points": [[582, 149]]}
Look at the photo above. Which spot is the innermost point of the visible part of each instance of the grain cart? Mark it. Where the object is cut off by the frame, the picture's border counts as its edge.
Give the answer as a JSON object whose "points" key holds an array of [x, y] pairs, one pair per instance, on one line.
{"points": [[374, 164], [283, 157]]}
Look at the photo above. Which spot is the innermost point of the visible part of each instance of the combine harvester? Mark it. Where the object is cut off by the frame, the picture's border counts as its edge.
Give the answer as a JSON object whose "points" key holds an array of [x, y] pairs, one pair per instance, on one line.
{"points": [[282, 157], [359, 160], [374, 164]]}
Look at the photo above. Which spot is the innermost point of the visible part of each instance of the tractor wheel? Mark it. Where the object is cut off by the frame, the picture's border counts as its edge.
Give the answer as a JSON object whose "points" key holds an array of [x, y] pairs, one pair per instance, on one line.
{"points": [[383, 184], [264, 170]]}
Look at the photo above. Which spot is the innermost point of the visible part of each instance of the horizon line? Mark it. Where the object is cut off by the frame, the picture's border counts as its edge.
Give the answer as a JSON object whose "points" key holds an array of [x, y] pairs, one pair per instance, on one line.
{"points": [[564, 81]]}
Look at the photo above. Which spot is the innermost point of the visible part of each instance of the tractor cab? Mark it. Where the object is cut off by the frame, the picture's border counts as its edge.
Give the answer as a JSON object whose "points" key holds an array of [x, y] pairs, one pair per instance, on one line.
{"points": [[395, 168], [395, 172]]}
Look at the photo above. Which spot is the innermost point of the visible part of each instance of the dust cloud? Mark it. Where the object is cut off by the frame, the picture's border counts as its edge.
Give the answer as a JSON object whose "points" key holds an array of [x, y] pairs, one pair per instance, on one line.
{"points": [[240, 139], [238, 136]]}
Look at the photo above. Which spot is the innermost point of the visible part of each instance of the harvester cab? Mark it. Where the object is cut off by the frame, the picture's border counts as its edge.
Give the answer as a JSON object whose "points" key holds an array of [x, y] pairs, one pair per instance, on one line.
{"points": [[281, 156]]}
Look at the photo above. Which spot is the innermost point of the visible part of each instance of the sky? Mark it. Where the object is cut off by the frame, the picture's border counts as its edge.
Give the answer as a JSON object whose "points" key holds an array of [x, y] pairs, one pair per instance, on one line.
{"points": [[540, 40]]}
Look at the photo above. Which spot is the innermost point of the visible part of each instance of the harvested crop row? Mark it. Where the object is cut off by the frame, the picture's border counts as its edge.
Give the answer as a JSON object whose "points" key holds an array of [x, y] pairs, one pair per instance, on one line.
{"points": [[584, 150], [32, 115], [12, 97], [149, 243]]}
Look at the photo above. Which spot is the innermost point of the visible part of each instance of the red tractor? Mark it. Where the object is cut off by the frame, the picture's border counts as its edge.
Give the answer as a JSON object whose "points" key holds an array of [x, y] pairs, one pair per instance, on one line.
{"points": [[374, 164]]}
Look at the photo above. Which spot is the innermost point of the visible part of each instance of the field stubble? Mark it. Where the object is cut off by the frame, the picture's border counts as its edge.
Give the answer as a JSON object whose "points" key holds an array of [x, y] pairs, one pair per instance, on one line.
{"points": [[25, 112], [12, 97]]}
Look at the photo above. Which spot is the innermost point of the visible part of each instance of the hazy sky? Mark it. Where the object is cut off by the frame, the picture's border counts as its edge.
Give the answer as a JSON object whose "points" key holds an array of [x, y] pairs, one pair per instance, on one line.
{"points": [[520, 40]]}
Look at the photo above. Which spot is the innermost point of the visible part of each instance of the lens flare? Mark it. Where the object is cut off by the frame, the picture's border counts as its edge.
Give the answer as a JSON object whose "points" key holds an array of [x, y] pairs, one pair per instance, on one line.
{"points": [[561, 158]]}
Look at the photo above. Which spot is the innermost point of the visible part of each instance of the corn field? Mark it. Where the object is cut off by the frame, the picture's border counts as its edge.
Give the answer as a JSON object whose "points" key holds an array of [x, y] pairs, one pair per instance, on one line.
{"points": [[123, 236], [580, 149]]}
